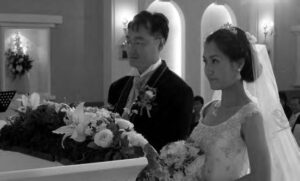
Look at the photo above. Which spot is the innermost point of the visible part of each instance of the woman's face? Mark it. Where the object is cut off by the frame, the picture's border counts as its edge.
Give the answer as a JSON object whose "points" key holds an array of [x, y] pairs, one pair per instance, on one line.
{"points": [[220, 71]]}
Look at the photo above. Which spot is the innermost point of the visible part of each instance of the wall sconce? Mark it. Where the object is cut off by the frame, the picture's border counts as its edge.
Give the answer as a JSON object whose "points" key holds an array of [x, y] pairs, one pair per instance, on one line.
{"points": [[268, 30], [123, 52], [125, 24], [18, 44]]}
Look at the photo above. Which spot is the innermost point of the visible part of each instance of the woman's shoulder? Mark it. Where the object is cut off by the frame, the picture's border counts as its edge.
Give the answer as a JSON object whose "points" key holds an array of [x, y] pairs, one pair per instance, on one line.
{"points": [[250, 111], [251, 107]]}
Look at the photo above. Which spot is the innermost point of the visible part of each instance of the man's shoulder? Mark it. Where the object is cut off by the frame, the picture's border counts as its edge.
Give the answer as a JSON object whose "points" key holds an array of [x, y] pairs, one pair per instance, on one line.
{"points": [[298, 117], [174, 80], [121, 81]]}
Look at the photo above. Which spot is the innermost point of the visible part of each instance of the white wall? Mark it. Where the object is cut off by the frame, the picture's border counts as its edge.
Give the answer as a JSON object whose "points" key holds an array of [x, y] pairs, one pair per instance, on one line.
{"points": [[287, 14]]}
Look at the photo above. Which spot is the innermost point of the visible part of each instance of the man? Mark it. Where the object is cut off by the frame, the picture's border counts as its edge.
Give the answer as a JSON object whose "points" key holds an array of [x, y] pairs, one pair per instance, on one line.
{"points": [[153, 98], [198, 104], [284, 103], [295, 117]]}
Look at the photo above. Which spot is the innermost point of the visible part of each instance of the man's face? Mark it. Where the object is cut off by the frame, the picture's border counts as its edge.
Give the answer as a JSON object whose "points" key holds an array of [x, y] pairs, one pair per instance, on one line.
{"points": [[294, 105], [142, 49], [197, 106], [219, 69]]}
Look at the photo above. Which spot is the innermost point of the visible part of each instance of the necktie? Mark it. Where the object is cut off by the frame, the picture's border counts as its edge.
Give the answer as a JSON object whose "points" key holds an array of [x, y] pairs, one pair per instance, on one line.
{"points": [[138, 84]]}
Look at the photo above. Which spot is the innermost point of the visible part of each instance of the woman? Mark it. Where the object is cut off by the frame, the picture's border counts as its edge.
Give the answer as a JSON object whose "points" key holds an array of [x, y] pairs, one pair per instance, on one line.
{"points": [[243, 132], [233, 126]]}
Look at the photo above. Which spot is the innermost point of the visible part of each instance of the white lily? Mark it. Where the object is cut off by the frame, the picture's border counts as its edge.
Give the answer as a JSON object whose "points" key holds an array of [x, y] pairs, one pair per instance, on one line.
{"points": [[81, 120], [78, 114], [32, 101]]}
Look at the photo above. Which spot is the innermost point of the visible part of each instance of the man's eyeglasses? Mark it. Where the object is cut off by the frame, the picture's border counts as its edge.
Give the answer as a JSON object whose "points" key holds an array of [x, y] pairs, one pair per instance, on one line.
{"points": [[129, 43]]}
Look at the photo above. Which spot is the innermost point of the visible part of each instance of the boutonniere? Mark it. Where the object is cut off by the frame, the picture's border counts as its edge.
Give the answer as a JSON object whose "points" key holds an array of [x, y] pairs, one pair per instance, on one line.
{"points": [[144, 101]]}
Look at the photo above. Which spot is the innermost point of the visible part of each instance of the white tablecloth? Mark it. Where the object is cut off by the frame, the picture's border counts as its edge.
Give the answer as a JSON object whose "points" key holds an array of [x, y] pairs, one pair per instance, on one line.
{"points": [[16, 166], [10, 161]]}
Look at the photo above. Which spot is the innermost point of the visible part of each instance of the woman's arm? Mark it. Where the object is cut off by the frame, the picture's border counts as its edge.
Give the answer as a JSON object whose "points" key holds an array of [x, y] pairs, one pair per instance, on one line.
{"points": [[259, 158]]}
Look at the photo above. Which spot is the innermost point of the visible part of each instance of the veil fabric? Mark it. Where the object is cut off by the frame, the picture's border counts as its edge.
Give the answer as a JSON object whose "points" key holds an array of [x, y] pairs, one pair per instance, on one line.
{"points": [[282, 146]]}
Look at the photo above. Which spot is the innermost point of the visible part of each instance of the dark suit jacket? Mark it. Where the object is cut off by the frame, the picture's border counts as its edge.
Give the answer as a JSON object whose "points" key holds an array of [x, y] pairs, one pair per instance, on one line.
{"points": [[287, 111], [297, 122], [171, 116]]}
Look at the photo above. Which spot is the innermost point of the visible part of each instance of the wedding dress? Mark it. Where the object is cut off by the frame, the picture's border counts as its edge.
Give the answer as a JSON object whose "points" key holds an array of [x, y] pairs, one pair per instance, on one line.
{"points": [[225, 151]]}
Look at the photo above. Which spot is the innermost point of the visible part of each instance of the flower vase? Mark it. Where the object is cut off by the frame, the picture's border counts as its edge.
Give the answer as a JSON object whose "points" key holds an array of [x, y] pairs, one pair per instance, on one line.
{"points": [[20, 84]]}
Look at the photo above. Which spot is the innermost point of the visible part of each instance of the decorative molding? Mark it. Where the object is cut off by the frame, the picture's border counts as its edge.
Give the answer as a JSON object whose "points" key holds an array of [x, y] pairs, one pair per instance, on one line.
{"points": [[296, 31], [30, 20]]}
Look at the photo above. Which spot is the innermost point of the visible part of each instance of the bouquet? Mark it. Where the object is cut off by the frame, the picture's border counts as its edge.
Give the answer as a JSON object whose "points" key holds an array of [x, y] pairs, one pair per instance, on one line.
{"points": [[178, 161]]}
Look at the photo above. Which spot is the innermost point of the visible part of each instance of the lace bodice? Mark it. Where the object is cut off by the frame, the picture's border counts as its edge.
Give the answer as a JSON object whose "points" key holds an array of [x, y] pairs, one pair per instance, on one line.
{"points": [[225, 151]]}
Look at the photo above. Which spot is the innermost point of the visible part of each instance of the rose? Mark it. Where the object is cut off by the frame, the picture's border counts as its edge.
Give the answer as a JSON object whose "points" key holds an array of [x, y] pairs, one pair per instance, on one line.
{"points": [[150, 94], [124, 124], [134, 138], [100, 127], [19, 68], [103, 138], [103, 113], [175, 148], [174, 153]]}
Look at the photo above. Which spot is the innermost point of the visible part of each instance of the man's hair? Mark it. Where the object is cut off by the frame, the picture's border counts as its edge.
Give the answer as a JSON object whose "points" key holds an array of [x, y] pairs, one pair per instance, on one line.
{"points": [[156, 23], [199, 98]]}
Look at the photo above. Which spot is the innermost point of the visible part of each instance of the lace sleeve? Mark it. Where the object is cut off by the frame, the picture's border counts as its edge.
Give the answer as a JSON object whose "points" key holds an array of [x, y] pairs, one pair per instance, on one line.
{"points": [[249, 114], [279, 122]]}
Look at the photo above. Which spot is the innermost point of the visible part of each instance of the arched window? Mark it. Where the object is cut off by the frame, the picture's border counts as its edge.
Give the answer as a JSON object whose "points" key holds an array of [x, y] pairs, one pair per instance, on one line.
{"points": [[173, 52]]}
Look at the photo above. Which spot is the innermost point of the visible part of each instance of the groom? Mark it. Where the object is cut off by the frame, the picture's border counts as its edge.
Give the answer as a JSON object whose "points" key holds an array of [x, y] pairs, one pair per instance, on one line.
{"points": [[153, 98]]}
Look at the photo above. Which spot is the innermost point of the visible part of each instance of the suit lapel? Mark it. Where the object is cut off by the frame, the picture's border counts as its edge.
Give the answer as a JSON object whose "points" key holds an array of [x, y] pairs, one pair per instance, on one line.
{"points": [[157, 74]]}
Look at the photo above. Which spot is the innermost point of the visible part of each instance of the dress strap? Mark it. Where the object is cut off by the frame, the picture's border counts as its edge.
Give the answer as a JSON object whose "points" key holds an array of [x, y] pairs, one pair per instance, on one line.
{"points": [[206, 107]]}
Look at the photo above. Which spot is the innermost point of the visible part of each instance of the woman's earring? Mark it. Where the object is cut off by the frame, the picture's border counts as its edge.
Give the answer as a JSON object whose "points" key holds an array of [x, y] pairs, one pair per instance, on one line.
{"points": [[239, 73]]}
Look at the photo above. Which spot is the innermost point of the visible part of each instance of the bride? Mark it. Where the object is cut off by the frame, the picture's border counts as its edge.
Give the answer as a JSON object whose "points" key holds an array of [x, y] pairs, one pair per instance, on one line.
{"points": [[243, 131]]}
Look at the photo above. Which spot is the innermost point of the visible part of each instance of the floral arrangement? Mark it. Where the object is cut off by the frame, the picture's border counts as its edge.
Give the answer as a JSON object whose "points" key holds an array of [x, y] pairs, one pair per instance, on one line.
{"points": [[18, 63], [178, 161], [102, 131], [30, 130], [70, 135]]}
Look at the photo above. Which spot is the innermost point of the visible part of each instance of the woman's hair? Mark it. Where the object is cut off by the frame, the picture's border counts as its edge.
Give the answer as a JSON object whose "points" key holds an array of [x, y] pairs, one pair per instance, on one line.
{"points": [[233, 42]]}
